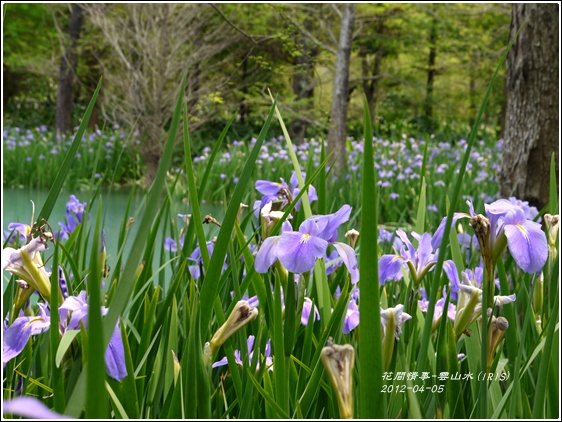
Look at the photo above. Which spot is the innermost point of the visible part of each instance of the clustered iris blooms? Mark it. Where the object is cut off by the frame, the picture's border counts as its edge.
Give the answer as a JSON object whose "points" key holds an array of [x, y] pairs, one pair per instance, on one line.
{"points": [[74, 216], [275, 191], [27, 264], [298, 250], [419, 261], [509, 224], [73, 311]]}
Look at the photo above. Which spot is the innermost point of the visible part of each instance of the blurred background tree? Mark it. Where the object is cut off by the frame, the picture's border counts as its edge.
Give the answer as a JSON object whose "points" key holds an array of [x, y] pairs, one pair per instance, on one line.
{"points": [[532, 120], [422, 67]]}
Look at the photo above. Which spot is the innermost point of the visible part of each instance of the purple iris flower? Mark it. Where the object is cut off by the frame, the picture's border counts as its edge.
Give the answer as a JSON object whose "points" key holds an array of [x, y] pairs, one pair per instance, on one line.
{"points": [[439, 307], [17, 335], [298, 250], [275, 190], [307, 309], [419, 261], [196, 257], [250, 344], [19, 228], [525, 238], [438, 235], [452, 274], [390, 237], [265, 187], [115, 353], [171, 245], [74, 216], [312, 195], [351, 317]]}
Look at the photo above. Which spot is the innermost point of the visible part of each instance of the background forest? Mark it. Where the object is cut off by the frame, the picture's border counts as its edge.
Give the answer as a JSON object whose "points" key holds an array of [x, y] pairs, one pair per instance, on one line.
{"points": [[423, 67]]}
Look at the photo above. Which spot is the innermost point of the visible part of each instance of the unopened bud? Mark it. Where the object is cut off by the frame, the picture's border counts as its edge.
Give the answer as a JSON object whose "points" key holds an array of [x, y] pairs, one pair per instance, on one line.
{"points": [[552, 224], [338, 361], [496, 334], [177, 366], [352, 235], [481, 226], [240, 211], [538, 295], [241, 315], [22, 284]]}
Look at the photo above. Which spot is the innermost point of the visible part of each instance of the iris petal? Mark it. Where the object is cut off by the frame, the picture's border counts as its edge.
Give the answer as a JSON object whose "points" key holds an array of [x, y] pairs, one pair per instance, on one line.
{"points": [[425, 250], [298, 251], [438, 235], [351, 317], [527, 244], [115, 356], [265, 187], [30, 407], [390, 268], [267, 254], [329, 224], [17, 335], [452, 273], [347, 254], [15, 339]]}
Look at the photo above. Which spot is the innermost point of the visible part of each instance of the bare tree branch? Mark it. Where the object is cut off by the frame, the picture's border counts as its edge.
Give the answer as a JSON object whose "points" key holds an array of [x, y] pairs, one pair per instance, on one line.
{"points": [[236, 27], [307, 33], [151, 47]]}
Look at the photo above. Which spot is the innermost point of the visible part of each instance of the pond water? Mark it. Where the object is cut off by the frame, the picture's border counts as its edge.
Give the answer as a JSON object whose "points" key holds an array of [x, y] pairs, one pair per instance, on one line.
{"points": [[16, 207]]}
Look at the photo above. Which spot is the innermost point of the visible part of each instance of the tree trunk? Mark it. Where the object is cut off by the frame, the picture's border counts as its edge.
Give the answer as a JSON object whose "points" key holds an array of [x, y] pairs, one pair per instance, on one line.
{"points": [[531, 123], [244, 108], [67, 73], [303, 87], [338, 128], [371, 79], [431, 67], [472, 92]]}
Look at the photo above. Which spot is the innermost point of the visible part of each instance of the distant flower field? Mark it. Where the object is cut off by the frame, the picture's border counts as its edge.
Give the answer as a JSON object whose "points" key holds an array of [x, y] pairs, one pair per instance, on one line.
{"points": [[32, 157]]}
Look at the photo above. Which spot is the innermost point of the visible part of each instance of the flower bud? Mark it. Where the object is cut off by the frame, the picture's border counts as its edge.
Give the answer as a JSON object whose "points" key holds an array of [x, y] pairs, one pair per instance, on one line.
{"points": [[177, 366], [241, 315], [338, 361], [552, 223], [496, 333], [240, 211], [352, 235]]}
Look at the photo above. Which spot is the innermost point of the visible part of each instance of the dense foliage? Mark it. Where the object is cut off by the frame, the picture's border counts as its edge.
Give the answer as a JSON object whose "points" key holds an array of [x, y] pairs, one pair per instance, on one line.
{"points": [[279, 48]]}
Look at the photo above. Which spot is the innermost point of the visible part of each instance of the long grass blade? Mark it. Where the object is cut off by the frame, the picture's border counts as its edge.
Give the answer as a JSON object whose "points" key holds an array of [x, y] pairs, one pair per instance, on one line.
{"points": [[370, 349], [59, 400], [69, 159], [211, 286], [96, 393]]}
